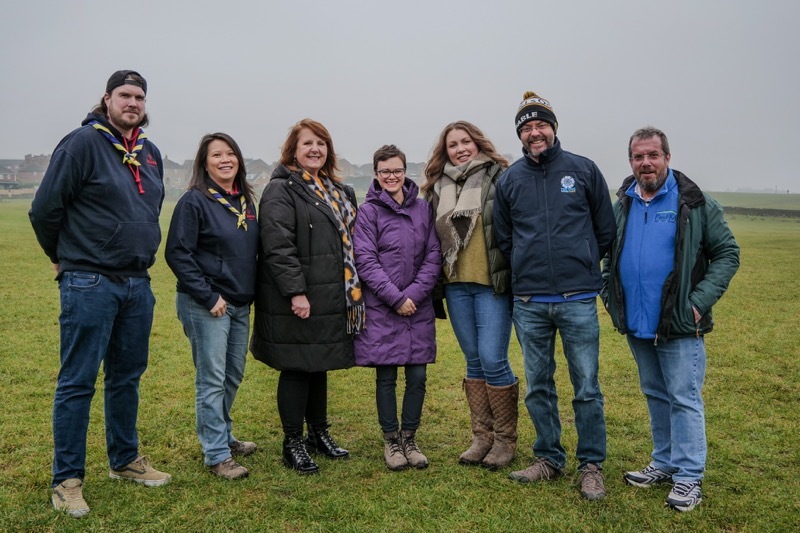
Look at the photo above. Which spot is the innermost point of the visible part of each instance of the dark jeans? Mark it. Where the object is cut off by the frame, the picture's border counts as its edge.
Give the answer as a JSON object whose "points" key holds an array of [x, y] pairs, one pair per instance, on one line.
{"points": [[413, 397], [302, 395], [101, 321]]}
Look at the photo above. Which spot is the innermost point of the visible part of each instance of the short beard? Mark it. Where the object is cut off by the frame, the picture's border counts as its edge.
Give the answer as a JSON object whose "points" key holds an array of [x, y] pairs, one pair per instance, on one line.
{"points": [[650, 185]]}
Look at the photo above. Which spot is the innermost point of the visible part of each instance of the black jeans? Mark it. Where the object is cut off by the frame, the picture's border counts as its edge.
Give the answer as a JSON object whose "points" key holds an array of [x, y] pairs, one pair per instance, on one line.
{"points": [[413, 398], [302, 395]]}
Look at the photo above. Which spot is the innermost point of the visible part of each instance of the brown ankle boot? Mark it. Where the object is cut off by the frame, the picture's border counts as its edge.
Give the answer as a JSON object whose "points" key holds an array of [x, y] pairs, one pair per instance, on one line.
{"points": [[504, 401], [480, 413]]}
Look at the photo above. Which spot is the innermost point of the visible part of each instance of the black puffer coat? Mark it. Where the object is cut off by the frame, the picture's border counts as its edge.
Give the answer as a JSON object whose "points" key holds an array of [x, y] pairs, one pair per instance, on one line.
{"points": [[300, 253]]}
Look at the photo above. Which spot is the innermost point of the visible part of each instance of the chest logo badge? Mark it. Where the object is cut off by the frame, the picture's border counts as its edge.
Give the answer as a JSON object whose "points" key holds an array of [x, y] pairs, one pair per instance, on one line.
{"points": [[567, 184]]}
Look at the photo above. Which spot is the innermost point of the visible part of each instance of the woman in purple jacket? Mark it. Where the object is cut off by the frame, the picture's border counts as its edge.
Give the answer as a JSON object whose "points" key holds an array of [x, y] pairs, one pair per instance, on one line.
{"points": [[398, 260]]}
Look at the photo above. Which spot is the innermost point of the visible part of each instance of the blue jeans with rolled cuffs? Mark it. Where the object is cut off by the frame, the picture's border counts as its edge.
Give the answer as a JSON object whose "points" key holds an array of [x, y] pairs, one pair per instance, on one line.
{"points": [[536, 324], [481, 321], [671, 375], [102, 321], [219, 352]]}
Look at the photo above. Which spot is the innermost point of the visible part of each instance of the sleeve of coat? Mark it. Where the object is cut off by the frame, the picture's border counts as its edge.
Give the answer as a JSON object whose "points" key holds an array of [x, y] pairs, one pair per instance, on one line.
{"points": [[428, 274], [61, 183], [606, 271], [277, 223], [501, 219], [184, 230], [368, 265], [722, 254], [604, 225]]}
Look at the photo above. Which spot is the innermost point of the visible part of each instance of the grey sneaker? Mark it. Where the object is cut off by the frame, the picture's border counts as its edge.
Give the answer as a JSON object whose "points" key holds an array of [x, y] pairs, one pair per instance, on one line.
{"points": [[411, 450], [393, 452], [540, 470], [685, 496], [647, 477], [592, 485], [140, 471], [243, 448], [68, 497], [229, 469]]}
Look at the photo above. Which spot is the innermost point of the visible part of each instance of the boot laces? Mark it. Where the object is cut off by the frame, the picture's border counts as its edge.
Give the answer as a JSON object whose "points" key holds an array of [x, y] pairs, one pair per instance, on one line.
{"points": [[410, 444], [298, 450], [394, 446]]}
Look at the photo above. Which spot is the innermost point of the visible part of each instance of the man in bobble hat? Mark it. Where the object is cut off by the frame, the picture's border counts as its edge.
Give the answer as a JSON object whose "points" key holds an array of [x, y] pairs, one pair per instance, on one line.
{"points": [[553, 220], [95, 215]]}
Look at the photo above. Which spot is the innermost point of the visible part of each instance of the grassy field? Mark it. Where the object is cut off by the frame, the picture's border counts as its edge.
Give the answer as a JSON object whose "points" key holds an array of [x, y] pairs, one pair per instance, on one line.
{"points": [[752, 397], [758, 200]]}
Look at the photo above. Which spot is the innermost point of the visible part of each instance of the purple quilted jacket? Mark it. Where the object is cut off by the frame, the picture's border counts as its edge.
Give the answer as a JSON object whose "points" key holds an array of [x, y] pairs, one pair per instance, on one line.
{"points": [[397, 257]]}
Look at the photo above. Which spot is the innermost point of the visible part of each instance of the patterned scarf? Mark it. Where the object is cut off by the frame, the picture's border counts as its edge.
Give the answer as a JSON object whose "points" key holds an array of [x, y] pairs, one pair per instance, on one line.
{"points": [[459, 192], [345, 215], [128, 157], [241, 221]]}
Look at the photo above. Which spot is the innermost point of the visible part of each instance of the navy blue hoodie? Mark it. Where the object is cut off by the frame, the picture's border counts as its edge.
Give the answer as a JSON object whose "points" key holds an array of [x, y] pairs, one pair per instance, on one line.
{"points": [[208, 253], [88, 213]]}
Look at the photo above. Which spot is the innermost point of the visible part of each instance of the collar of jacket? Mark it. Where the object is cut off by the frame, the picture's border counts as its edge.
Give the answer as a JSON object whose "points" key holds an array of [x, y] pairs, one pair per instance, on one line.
{"points": [[545, 157], [690, 194]]}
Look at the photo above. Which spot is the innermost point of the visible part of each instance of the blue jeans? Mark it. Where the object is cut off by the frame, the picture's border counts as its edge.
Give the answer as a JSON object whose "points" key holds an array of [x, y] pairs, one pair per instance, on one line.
{"points": [[101, 321], [413, 397], [219, 352], [536, 324], [671, 375], [481, 321]]}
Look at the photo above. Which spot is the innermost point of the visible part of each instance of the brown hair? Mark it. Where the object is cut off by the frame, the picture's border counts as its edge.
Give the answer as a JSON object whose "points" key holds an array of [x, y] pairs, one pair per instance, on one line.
{"points": [[290, 147], [386, 152], [200, 173], [648, 132], [435, 166]]}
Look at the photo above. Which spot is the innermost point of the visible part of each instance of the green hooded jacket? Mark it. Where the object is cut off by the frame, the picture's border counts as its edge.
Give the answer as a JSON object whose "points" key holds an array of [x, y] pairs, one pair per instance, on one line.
{"points": [[706, 259]]}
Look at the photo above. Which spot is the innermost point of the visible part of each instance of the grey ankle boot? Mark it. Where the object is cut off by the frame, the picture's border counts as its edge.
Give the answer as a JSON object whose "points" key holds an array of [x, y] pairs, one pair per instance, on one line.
{"points": [[393, 452], [411, 450]]}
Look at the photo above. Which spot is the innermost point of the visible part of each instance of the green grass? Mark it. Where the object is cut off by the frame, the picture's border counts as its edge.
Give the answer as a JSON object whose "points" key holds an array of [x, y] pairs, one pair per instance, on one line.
{"points": [[752, 397], [758, 200]]}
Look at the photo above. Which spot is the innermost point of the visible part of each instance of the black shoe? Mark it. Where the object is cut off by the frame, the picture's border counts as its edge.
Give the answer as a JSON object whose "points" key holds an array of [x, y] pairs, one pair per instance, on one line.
{"points": [[320, 441], [296, 456]]}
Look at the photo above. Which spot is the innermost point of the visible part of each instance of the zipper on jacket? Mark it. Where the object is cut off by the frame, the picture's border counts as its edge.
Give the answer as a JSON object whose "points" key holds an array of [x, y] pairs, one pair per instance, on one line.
{"points": [[547, 216]]}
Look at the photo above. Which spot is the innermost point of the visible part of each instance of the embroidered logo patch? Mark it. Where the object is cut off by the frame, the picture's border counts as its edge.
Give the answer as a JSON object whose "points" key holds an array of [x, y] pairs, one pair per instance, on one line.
{"points": [[666, 216], [567, 184], [151, 161]]}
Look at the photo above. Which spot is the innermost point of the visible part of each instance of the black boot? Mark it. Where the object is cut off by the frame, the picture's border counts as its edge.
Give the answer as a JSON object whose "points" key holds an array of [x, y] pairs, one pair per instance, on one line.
{"points": [[296, 456], [320, 441]]}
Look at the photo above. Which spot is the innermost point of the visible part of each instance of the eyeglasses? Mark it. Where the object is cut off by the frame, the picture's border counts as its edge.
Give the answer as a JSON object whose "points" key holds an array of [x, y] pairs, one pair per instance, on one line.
{"points": [[527, 128], [638, 158], [385, 172]]}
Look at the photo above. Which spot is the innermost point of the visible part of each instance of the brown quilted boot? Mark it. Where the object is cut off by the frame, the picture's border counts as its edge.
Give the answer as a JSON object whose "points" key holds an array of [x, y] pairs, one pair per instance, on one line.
{"points": [[482, 424], [504, 401]]}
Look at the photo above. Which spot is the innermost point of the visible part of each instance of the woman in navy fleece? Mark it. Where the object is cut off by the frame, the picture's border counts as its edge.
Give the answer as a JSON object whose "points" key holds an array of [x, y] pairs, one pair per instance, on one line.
{"points": [[212, 247]]}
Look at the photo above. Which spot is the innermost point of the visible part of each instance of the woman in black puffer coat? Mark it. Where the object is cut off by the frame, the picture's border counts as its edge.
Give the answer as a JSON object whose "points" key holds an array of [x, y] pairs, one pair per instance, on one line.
{"points": [[308, 302]]}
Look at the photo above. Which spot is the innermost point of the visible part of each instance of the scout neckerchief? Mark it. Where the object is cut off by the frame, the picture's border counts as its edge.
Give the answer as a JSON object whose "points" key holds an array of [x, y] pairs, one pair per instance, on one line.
{"points": [[241, 222], [130, 150], [345, 216]]}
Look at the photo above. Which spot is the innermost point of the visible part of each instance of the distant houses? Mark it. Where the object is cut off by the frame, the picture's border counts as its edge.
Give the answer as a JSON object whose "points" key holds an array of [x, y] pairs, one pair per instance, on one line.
{"points": [[21, 177]]}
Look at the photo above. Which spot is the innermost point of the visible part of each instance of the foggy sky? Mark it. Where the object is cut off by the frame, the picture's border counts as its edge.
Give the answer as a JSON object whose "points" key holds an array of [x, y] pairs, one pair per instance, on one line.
{"points": [[719, 77]]}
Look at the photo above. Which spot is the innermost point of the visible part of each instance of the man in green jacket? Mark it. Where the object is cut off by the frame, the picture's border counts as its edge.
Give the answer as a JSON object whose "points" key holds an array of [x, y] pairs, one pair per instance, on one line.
{"points": [[673, 258]]}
